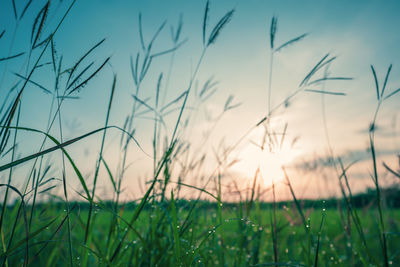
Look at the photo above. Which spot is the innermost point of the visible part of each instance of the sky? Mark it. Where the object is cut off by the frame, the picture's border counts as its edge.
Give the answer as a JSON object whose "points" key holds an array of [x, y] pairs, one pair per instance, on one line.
{"points": [[357, 33]]}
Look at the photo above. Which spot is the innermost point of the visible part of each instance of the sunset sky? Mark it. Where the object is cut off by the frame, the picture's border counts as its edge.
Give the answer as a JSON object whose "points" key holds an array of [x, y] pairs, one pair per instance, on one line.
{"points": [[357, 33]]}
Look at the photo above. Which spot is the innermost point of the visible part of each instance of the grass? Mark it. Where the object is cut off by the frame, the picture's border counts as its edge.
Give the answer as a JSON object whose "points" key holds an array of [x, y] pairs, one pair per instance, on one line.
{"points": [[202, 242], [161, 228]]}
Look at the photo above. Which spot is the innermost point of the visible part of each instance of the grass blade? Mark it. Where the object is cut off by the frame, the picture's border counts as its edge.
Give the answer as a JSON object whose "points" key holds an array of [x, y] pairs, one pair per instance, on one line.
{"points": [[392, 93], [217, 29], [330, 79], [47, 91], [324, 92], [397, 174], [141, 31], [110, 175], [89, 78], [175, 230], [272, 31], [82, 58], [386, 79], [79, 76], [37, 29], [11, 57], [319, 239], [205, 21], [25, 9], [14, 9], [290, 42], [376, 82], [23, 206], [313, 70]]}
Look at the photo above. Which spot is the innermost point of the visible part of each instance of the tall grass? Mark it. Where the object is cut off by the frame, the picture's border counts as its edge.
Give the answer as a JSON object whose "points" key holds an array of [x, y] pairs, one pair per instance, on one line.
{"points": [[161, 228]]}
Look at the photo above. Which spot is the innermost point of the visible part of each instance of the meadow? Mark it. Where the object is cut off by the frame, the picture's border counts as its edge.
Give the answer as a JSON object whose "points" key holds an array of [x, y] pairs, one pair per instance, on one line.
{"points": [[45, 221]]}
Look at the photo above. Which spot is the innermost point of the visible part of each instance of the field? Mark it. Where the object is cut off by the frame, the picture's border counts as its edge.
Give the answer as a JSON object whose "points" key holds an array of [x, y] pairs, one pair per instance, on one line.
{"points": [[232, 235], [68, 199]]}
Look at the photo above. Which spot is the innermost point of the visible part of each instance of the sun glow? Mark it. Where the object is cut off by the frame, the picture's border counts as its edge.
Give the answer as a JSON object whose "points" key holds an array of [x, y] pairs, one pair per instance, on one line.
{"points": [[269, 160], [271, 163]]}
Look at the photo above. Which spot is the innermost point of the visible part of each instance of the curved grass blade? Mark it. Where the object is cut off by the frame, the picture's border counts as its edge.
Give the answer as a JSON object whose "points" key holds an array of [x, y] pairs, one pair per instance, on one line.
{"points": [[79, 75], [217, 29], [376, 82], [11, 57], [90, 77], [141, 31], [205, 20], [290, 42], [397, 174], [314, 69], [42, 15], [59, 145], [25, 9], [82, 58], [31, 235], [26, 257]]}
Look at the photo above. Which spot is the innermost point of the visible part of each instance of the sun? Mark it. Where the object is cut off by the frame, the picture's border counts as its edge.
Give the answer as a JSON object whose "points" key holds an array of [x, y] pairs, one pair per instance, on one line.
{"points": [[271, 163], [269, 160]]}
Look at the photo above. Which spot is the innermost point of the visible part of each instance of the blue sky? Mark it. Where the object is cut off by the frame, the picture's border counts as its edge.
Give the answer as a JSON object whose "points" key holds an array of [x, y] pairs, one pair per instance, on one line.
{"points": [[359, 33]]}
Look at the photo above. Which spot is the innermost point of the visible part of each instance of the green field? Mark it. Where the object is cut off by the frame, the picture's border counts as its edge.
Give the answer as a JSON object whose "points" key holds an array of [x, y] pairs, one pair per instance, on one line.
{"points": [[236, 235], [56, 212]]}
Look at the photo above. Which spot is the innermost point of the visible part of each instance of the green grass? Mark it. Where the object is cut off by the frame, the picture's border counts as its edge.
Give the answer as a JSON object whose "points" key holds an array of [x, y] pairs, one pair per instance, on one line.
{"points": [[161, 228], [203, 240]]}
